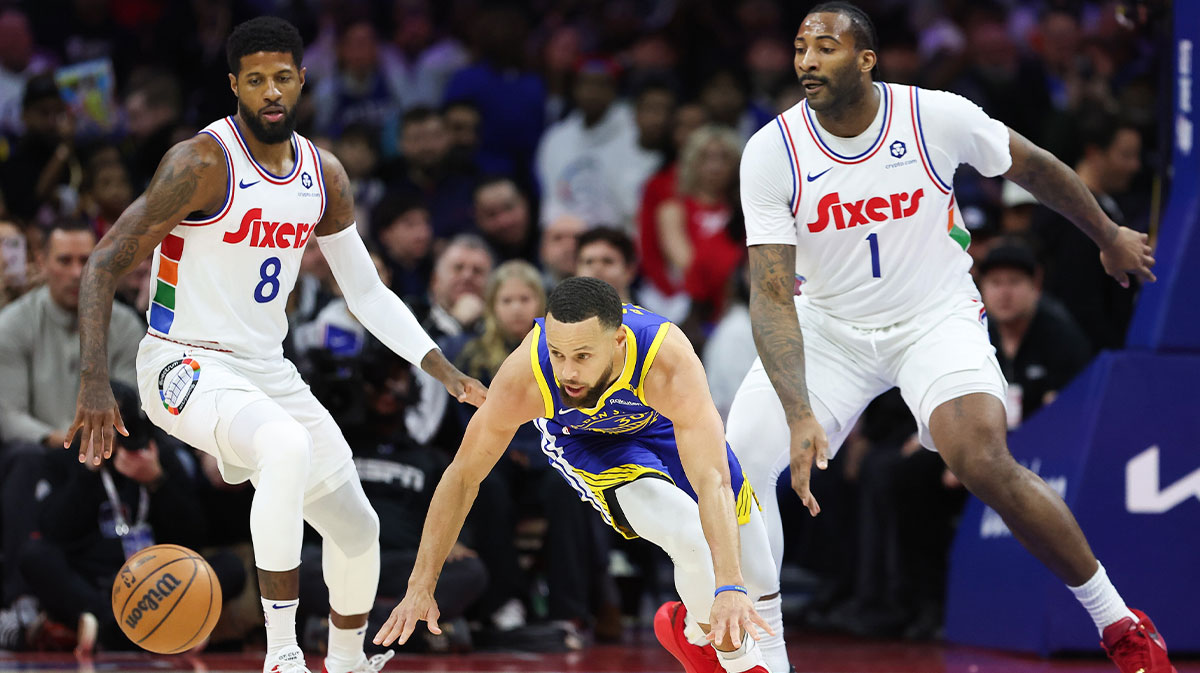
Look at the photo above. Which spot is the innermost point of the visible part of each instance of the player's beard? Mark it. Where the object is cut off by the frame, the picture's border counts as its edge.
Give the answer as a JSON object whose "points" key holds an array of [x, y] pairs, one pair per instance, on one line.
{"points": [[593, 394], [842, 91], [269, 133]]}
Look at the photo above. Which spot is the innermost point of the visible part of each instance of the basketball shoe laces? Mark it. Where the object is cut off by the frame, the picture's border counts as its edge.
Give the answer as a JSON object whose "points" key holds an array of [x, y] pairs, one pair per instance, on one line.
{"points": [[1131, 650], [374, 664]]}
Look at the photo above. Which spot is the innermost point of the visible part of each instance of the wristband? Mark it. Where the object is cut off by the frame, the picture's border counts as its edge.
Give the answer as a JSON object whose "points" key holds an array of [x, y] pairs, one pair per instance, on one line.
{"points": [[730, 587]]}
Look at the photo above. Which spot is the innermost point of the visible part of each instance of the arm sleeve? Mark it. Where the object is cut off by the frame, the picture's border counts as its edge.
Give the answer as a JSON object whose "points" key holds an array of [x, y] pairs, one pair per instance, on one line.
{"points": [[769, 186], [962, 133], [16, 423], [371, 302]]}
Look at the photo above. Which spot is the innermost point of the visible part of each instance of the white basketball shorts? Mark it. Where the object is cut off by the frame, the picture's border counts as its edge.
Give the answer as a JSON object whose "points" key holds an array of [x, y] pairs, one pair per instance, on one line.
{"points": [[194, 394]]}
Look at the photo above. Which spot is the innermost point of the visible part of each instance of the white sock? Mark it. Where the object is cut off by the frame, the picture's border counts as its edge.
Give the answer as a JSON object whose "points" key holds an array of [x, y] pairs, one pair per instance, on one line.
{"points": [[345, 648], [743, 658], [1100, 598], [773, 648], [280, 616], [692, 631]]}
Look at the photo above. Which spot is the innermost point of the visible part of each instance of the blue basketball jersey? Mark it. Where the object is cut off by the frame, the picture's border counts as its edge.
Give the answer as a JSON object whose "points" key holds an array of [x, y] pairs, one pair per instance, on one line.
{"points": [[622, 438]]}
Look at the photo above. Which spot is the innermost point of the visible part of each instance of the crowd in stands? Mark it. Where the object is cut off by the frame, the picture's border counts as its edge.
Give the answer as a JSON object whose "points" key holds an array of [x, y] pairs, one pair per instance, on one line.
{"points": [[495, 148]]}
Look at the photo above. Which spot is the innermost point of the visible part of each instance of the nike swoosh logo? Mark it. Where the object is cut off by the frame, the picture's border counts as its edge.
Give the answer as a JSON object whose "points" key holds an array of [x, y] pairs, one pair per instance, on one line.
{"points": [[243, 184], [566, 411], [277, 606], [812, 177]]}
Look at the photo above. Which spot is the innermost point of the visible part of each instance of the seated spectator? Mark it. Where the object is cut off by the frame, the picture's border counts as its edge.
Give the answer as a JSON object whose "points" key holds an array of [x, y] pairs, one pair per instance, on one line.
{"points": [[96, 516], [14, 262], [38, 170], [420, 59], [455, 302], [426, 169], [524, 484], [106, 190], [1074, 274], [153, 108], [358, 150], [729, 352], [39, 378], [556, 254], [398, 476], [608, 254], [700, 219], [1039, 346], [502, 217], [405, 237], [359, 91]]}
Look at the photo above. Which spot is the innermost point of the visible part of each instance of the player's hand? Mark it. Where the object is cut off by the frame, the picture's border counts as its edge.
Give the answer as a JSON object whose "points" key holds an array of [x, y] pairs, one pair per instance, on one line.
{"points": [[465, 388], [1129, 253], [418, 604], [96, 414], [732, 616], [809, 443]]}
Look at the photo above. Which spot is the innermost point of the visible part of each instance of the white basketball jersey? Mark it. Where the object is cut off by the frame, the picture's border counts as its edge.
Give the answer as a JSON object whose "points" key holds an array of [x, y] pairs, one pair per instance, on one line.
{"points": [[221, 282], [877, 231]]}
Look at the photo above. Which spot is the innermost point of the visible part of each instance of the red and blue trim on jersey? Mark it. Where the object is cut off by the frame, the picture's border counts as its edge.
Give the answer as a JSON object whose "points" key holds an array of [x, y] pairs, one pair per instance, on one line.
{"points": [[793, 161], [320, 176], [914, 103], [268, 175], [224, 209], [884, 128]]}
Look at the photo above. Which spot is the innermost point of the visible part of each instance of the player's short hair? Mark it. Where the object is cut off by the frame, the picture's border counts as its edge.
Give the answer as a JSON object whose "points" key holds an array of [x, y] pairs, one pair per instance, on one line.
{"points": [[612, 236], [263, 34], [861, 26], [577, 299]]}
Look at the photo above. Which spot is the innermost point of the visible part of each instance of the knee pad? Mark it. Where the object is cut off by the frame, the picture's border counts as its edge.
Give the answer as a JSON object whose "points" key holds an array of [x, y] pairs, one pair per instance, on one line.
{"points": [[345, 518]]}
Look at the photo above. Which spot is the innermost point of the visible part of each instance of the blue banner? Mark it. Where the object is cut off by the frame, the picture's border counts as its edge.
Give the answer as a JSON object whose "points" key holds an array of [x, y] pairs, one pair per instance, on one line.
{"points": [[1120, 445]]}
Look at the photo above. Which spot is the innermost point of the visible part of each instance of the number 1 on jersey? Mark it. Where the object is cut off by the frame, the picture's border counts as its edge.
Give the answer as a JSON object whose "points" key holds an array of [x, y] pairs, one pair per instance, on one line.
{"points": [[873, 241]]}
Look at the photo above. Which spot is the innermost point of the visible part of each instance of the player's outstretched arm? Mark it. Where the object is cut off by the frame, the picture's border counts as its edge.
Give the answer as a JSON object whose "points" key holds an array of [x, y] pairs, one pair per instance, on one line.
{"points": [[780, 344], [1123, 251], [677, 388], [515, 399], [190, 178], [374, 305]]}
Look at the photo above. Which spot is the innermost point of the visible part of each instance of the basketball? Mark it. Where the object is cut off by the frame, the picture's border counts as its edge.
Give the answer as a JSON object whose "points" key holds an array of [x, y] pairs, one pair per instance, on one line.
{"points": [[166, 599]]}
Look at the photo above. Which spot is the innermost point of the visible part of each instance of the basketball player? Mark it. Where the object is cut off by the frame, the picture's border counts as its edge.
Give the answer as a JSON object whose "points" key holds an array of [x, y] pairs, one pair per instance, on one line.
{"points": [[851, 192], [227, 216], [625, 415]]}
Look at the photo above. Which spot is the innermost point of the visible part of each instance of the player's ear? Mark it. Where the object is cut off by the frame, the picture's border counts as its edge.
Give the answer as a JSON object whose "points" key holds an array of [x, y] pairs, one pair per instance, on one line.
{"points": [[233, 84], [867, 60], [620, 331], [303, 71]]}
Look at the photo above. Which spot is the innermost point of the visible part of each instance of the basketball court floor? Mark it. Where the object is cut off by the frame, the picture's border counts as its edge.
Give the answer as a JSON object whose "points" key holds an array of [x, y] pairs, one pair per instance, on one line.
{"points": [[811, 654]]}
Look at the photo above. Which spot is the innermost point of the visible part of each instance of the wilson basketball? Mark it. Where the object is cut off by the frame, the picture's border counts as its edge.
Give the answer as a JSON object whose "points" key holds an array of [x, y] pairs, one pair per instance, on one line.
{"points": [[166, 599]]}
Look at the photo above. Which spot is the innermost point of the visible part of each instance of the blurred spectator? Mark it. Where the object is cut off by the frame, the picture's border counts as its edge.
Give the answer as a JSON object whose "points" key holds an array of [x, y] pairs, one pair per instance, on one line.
{"points": [[14, 262], [1038, 345], [398, 476], [502, 217], [462, 120], [38, 172], [94, 517], [314, 287], [608, 254], [1008, 87], [359, 92], [661, 187], [729, 351], [582, 160], [405, 236], [39, 345], [105, 191], [1074, 275], [557, 250], [358, 150], [419, 60], [133, 289], [512, 99], [424, 168], [724, 95], [559, 57], [18, 62], [456, 289], [152, 111], [699, 221]]}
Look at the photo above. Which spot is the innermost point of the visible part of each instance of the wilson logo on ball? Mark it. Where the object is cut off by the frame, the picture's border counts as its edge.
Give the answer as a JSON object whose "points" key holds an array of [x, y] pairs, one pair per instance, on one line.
{"points": [[152, 599]]}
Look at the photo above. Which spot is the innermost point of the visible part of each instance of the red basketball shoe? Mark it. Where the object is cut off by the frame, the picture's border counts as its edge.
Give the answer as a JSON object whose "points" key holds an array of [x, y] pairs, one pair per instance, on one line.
{"points": [[668, 628], [1135, 647]]}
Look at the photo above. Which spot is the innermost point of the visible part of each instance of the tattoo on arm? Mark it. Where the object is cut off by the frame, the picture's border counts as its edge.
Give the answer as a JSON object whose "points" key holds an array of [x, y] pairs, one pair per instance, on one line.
{"points": [[169, 197], [339, 213], [776, 328], [1058, 187]]}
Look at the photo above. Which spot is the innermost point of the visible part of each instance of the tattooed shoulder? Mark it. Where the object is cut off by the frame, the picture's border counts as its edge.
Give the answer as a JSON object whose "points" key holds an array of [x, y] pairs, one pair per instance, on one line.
{"points": [[339, 214], [184, 181]]}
